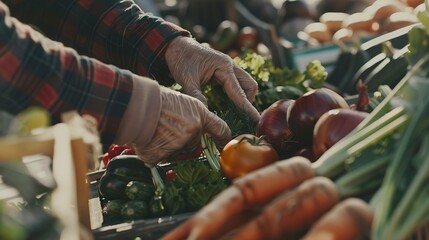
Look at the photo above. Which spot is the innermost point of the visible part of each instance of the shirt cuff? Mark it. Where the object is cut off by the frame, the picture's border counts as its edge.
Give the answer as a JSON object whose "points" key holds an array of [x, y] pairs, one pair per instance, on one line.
{"points": [[142, 114]]}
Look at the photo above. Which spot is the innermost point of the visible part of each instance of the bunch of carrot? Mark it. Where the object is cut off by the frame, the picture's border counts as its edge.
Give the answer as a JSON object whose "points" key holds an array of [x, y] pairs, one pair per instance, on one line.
{"points": [[258, 207]]}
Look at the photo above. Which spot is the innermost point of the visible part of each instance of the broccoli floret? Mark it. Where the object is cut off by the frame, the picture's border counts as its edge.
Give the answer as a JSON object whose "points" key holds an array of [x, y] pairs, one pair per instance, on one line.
{"points": [[316, 73]]}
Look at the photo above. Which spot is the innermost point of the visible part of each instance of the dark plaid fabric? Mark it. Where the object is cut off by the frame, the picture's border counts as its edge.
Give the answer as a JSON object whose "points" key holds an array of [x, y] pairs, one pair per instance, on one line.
{"points": [[113, 31], [37, 71]]}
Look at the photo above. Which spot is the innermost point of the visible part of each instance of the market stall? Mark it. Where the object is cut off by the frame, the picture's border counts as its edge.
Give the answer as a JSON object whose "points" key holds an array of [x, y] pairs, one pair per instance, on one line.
{"points": [[340, 150]]}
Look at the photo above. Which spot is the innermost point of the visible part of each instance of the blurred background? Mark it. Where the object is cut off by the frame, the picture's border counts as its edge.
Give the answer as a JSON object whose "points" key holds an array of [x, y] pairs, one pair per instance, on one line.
{"points": [[285, 30]]}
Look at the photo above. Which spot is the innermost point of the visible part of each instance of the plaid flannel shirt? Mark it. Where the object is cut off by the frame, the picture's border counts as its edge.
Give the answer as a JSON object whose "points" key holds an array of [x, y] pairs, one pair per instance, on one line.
{"points": [[35, 70]]}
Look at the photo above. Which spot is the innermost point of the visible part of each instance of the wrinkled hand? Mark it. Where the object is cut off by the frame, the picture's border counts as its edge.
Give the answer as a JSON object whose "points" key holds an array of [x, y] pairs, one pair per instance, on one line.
{"points": [[192, 65], [182, 122]]}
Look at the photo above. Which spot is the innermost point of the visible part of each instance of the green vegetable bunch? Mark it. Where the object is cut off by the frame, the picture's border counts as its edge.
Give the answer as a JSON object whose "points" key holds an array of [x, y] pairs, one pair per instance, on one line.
{"points": [[191, 172], [316, 74], [277, 83], [173, 198], [274, 83], [195, 184], [402, 207], [198, 183], [389, 152]]}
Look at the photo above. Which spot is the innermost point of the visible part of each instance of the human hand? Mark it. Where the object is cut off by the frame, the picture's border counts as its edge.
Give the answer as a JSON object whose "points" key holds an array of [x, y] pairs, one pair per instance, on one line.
{"points": [[192, 65], [182, 121]]}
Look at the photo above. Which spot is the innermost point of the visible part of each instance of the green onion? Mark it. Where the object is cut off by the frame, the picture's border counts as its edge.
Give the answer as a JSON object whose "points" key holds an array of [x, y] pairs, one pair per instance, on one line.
{"points": [[211, 152], [404, 192]]}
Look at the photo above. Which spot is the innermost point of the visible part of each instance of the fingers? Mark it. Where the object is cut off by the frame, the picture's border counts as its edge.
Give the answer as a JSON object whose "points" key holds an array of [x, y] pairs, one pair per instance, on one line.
{"points": [[197, 65], [247, 83], [236, 93], [192, 146], [194, 90], [217, 128]]}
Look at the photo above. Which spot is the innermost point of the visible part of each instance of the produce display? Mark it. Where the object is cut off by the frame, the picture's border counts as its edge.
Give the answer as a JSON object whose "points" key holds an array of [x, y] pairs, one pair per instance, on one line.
{"points": [[368, 180], [339, 154], [129, 190], [324, 156]]}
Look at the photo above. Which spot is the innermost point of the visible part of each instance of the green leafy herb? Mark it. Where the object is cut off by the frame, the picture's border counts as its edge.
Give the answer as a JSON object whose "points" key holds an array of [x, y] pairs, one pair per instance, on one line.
{"points": [[274, 83], [197, 196], [173, 199], [191, 172], [316, 74]]}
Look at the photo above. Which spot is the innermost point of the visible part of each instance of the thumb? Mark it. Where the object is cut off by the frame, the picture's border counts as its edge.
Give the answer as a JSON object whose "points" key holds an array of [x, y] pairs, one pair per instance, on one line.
{"points": [[216, 128], [195, 91]]}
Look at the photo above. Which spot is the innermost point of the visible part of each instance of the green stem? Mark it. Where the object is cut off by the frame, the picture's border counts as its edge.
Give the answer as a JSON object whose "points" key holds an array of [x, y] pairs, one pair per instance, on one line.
{"points": [[385, 106], [355, 191], [379, 134], [211, 152], [397, 172], [359, 180], [331, 162], [373, 103], [255, 141], [384, 90], [375, 199], [157, 180], [419, 182], [413, 222]]}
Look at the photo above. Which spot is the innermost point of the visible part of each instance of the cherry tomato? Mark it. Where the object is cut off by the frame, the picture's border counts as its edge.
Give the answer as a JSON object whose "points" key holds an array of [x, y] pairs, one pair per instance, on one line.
{"points": [[170, 175], [115, 150], [244, 154]]}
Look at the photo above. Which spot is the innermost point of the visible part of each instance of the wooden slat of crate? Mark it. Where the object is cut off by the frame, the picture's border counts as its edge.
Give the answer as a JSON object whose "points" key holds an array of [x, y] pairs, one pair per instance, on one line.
{"points": [[69, 169]]}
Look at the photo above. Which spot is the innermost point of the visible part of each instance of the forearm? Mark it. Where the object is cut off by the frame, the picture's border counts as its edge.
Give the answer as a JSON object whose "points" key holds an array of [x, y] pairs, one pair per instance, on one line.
{"points": [[113, 31], [37, 71]]}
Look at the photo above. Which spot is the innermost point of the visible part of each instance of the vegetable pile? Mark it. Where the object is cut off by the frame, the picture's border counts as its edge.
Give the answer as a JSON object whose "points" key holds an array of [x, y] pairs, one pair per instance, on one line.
{"points": [[274, 84], [368, 180], [129, 190], [312, 162]]}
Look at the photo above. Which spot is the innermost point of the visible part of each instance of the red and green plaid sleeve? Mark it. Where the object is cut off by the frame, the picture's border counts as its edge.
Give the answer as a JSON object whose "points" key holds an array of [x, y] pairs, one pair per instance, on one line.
{"points": [[36, 71], [113, 31]]}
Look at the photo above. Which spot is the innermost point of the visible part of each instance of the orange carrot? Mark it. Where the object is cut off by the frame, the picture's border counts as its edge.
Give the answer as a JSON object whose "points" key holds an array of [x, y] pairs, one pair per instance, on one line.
{"points": [[230, 208], [293, 212], [350, 219]]}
